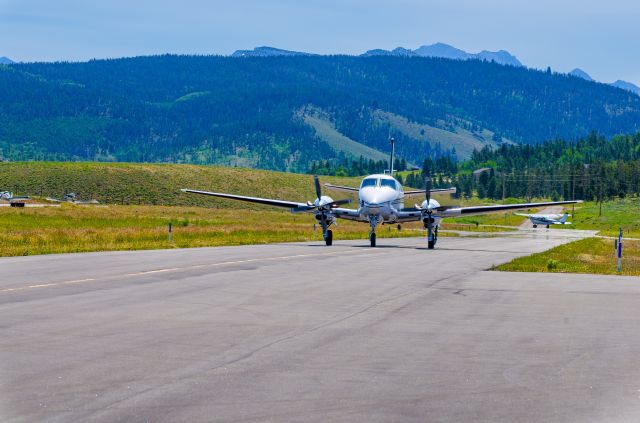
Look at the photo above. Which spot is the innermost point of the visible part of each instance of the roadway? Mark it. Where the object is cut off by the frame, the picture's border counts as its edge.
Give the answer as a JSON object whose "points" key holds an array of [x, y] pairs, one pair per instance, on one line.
{"points": [[304, 332]]}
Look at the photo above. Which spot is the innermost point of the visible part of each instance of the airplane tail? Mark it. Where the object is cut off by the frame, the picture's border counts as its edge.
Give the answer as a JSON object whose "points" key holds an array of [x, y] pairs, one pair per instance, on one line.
{"points": [[564, 217]]}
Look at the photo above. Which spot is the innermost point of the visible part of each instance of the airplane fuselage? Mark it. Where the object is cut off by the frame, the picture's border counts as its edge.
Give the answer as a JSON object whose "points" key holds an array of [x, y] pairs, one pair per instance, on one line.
{"points": [[380, 197]]}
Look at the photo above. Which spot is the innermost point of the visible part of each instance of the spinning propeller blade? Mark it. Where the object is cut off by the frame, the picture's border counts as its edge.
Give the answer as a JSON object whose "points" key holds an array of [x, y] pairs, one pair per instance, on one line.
{"points": [[316, 181]]}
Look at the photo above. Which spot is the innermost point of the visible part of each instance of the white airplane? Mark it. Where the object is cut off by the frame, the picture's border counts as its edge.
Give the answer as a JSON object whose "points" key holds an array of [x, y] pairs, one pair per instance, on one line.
{"points": [[71, 197], [546, 219], [380, 201], [13, 200]]}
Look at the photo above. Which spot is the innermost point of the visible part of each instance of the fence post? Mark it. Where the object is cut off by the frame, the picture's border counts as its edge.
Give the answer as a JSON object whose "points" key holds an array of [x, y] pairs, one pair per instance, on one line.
{"points": [[620, 251], [170, 233]]}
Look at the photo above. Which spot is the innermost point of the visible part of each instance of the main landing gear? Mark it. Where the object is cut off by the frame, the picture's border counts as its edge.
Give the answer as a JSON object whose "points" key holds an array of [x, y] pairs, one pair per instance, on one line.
{"points": [[328, 237], [432, 239]]}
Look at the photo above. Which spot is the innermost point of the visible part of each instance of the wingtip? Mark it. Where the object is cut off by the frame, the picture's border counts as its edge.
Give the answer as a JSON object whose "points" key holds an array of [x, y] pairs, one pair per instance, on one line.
{"points": [[184, 189]]}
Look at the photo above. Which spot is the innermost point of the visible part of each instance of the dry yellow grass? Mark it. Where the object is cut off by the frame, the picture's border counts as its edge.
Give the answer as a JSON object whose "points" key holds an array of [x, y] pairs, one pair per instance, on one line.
{"points": [[70, 228]]}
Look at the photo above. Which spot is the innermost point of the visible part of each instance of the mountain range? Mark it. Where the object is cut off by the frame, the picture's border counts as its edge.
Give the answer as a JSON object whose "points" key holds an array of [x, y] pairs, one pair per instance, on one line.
{"points": [[6, 61], [446, 51], [287, 112], [440, 50], [435, 50]]}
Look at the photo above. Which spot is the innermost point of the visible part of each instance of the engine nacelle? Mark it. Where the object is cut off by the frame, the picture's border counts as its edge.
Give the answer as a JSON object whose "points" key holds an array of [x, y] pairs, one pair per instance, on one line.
{"points": [[431, 204], [325, 199], [330, 217]]}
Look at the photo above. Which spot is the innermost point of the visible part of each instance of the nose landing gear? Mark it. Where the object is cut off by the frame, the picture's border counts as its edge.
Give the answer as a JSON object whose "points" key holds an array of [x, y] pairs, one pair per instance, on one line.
{"points": [[373, 221]]}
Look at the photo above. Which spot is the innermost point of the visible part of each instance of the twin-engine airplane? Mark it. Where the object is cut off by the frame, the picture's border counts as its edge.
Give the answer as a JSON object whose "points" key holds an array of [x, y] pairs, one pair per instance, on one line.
{"points": [[546, 219], [380, 201]]}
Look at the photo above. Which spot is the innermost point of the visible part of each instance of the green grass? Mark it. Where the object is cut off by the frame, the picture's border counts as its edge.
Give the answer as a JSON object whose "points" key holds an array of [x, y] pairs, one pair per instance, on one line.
{"points": [[463, 140], [590, 255], [623, 213], [69, 228], [339, 142]]}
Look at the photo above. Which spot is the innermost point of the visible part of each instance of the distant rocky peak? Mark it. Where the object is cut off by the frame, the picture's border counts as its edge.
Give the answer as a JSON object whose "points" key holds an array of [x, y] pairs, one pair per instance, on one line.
{"points": [[626, 86], [266, 51], [579, 73]]}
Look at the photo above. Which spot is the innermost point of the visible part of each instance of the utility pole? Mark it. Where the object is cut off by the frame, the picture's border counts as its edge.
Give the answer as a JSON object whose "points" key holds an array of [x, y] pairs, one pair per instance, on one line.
{"points": [[600, 195]]}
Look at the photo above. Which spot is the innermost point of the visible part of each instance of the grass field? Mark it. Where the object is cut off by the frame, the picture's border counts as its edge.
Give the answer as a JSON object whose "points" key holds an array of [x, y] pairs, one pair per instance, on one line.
{"points": [[615, 214], [70, 228], [591, 255]]}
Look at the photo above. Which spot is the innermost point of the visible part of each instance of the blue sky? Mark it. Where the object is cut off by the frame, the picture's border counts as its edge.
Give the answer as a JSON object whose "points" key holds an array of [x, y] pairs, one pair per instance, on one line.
{"points": [[599, 37]]}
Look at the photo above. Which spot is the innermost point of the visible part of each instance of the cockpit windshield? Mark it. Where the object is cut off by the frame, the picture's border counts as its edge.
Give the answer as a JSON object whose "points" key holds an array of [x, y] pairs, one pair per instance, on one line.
{"points": [[369, 182], [389, 183]]}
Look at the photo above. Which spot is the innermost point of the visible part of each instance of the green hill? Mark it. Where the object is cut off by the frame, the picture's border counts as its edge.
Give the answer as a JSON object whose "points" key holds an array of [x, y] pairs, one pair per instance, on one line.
{"points": [[246, 111], [127, 183]]}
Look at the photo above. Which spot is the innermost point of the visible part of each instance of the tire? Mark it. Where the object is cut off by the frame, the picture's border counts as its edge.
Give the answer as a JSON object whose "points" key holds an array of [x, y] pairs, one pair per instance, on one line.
{"points": [[372, 239], [431, 244], [329, 238], [547, 226], [399, 227], [535, 226]]}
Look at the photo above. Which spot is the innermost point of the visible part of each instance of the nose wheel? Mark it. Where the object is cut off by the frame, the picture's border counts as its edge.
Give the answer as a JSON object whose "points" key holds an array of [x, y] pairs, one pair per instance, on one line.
{"points": [[372, 239]]}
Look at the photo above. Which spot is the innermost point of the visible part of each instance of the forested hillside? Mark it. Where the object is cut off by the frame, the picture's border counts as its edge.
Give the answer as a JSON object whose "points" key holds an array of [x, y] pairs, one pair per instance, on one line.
{"points": [[287, 112], [590, 168]]}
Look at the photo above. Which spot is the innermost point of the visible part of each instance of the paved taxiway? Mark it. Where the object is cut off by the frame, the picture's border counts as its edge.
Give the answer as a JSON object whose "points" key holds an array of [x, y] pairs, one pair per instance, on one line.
{"points": [[302, 332]]}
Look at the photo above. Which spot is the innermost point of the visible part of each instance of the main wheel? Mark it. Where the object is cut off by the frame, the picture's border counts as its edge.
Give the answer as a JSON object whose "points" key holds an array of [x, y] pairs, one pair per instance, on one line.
{"points": [[535, 226], [547, 226], [329, 238], [372, 239], [431, 244]]}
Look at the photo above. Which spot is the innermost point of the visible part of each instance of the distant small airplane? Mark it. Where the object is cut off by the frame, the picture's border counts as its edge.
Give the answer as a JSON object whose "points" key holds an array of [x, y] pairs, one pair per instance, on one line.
{"points": [[13, 200], [71, 197], [380, 201], [546, 219]]}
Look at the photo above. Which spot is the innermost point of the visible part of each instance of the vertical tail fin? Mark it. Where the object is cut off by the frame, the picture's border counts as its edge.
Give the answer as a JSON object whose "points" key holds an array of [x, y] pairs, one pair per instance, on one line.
{"points": [[392, 153], [564, 218]]}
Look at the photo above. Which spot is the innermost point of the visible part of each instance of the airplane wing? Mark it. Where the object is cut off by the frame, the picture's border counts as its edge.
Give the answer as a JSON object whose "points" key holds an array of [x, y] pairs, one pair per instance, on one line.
{"points": [[451, 190], [413, 214], [467, 211], [258, 200], [342, 188], [539, 216], [348, 214], [526, 215]]}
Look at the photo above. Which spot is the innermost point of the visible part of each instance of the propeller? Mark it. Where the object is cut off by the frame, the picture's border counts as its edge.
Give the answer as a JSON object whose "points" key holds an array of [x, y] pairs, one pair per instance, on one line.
{"points": [[323, 205]]}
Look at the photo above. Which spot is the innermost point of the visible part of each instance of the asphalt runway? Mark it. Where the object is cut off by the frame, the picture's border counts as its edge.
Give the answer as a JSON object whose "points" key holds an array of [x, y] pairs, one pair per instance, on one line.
{"points": [[304, 332]]}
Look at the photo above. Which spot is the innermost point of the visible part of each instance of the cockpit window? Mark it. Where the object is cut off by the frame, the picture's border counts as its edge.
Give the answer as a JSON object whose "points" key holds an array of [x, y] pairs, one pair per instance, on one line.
{"points": [[369, 182], [389, 183]]}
